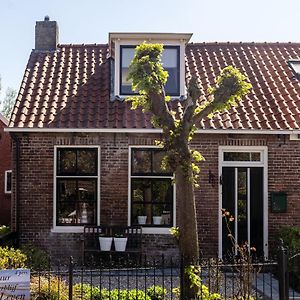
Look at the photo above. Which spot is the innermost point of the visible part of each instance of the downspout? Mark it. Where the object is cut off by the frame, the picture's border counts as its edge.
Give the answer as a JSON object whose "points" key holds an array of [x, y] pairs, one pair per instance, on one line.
{"points": [[17, 176]]}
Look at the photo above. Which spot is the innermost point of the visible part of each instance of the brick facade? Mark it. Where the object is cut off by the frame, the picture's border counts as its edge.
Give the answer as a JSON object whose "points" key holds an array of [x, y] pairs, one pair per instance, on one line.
{"points": [[34, 214], [5, 164]]}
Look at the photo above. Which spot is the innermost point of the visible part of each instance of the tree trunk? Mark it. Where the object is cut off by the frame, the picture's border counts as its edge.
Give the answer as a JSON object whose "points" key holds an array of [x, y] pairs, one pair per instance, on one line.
{"points": [[188, 240]]}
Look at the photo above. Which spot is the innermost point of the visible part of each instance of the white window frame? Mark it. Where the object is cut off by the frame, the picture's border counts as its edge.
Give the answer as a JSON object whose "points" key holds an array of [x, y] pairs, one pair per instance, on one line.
{"points": [[180, 44], [6, 191], [263, 150], [73, 229], [156, 229]]}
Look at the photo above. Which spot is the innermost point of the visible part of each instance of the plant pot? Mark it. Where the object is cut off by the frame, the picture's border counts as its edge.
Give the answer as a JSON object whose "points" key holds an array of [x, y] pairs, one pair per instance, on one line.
{"points": [[142, 220], [105, 243], [157, 220], [120, 243]]}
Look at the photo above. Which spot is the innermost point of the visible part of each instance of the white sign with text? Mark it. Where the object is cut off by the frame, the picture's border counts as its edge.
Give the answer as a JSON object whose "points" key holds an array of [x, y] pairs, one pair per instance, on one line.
{"points": [[15, 284]]}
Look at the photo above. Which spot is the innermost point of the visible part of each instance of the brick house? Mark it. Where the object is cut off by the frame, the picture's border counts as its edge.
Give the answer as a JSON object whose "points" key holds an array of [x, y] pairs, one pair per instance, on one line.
{"points": [[82, 156], [5, 173]]}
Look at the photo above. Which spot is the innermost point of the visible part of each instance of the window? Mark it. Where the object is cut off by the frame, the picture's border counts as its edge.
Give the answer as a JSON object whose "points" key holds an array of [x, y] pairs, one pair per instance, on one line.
{"points": [[76, 186], [170, 61], [242, 156], [152, 189], [7, 182], [294, 64]]}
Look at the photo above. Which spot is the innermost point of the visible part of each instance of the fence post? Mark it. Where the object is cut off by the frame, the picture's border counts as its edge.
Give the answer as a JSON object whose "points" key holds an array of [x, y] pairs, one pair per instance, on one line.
{"points": [[283, 274], [71, 265]]}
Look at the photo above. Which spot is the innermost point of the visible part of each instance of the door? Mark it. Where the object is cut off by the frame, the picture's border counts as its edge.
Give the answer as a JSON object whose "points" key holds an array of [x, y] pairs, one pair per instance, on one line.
{"points": [[242, 196]]}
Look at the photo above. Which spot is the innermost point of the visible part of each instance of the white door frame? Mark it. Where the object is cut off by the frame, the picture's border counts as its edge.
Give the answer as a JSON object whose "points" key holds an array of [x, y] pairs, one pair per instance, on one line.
{"points": [[262, 163]]}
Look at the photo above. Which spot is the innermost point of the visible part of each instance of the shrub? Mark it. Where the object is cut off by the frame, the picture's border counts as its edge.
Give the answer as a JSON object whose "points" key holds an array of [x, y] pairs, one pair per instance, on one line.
{"points": [[50, 288], [37, 259], [291, 239], [86, 292], [11, 258], [4, 229], [156, 292]]}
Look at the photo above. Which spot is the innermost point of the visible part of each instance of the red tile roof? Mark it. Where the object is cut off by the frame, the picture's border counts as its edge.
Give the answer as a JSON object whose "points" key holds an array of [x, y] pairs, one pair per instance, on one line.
{"points": [[70, 88]]}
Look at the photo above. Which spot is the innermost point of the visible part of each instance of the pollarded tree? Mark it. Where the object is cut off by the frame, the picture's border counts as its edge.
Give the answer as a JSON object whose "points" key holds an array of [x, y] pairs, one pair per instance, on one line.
{"points": [[148, 78]]}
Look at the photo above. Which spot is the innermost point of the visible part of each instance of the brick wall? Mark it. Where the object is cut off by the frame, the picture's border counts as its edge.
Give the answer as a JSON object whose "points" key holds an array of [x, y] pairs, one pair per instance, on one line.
{"points": [[35, 211], [5, 164]]}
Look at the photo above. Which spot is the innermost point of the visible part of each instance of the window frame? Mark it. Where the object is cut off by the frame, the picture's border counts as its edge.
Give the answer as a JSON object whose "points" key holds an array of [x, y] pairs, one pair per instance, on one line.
{"points": [[164, 229], [77, 228], [177, 47], [7, 191]]}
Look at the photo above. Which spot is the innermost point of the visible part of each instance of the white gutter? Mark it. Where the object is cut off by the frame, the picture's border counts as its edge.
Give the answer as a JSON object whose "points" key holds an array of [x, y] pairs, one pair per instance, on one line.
{"points": [[150, 130]]}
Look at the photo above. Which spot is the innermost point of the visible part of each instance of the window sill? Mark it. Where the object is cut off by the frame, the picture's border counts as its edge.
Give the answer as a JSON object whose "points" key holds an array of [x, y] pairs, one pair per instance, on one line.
{"points": [[156, 230], [67, 229]]}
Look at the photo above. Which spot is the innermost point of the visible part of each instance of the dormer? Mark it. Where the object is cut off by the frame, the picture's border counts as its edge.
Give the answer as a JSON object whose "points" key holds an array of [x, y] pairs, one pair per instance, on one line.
{"points": [[122, 47]]}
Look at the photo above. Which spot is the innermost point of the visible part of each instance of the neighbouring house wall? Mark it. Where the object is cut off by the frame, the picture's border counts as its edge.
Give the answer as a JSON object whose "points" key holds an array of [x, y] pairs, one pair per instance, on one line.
{"points": [[35, 209], [5, 164]]}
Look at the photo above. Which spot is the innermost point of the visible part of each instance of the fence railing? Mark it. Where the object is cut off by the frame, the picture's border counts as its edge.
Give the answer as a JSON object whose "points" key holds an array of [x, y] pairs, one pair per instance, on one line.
{"points": [[159, 278]]}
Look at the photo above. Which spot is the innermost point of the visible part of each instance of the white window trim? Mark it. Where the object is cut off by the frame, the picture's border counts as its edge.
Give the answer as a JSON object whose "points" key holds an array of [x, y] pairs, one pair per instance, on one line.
{"points": [[6, 191], [149, 230], [73, 229], [134, 42], [263, 163]]}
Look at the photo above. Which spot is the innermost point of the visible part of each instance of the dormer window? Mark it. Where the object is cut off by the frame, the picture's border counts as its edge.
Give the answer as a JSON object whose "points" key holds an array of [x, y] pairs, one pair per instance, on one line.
{"points": [[170, 61], [122, 49]]}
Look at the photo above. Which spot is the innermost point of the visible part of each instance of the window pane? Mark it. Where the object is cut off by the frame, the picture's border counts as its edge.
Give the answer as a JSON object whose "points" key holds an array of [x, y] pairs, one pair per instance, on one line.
{"points": [[157, 160], [236, 156], [66, 162], [8, 182], [242, 156], [66, 213], [141, 190], [87, 190], [127, 55], [87, 162], [255, 156], [67, 190], [170, 63], [141, 161], [162, 191]]}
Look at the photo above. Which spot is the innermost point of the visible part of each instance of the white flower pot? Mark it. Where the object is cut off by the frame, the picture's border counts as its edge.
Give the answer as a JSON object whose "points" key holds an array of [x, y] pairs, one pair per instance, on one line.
{"points": [[157, 220], [105, 243], [120, 243], [142, 220]]}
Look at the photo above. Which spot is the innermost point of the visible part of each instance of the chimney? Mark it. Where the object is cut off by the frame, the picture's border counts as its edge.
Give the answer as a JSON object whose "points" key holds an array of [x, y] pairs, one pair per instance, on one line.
{"points": [[46, 35]]}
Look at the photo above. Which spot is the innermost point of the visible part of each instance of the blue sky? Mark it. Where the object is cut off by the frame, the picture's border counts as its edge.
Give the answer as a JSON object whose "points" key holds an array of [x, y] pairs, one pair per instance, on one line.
{"points": [[90, 21]]}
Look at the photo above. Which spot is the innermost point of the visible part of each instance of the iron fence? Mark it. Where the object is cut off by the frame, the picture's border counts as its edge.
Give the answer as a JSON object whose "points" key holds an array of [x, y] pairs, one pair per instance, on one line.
{"points": [[160, 278]]}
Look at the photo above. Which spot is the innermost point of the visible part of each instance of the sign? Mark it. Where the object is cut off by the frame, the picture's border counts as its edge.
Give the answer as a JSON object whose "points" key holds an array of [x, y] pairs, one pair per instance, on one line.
{"points": [[15, 284]]}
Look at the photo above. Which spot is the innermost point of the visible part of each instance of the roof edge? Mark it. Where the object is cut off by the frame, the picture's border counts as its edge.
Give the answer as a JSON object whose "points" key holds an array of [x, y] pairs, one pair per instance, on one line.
{"points": [[148, 130]]}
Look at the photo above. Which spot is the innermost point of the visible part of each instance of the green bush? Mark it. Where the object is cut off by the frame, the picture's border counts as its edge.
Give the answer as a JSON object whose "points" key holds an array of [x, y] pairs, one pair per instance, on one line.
{"points": [[86, 292], [50, 288], [291, 239], [4, 229], [37, 259], [156, 292], [11, 258]]}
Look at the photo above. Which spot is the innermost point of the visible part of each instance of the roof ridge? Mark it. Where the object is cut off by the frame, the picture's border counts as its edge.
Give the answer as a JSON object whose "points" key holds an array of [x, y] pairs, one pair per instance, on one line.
{"points": [[240, 43], [82, 45]]}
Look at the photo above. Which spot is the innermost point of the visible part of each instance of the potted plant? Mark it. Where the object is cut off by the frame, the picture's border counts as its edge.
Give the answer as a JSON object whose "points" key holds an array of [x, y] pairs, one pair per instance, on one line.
{"points": [[157, 217], [141, 216], [105, 243], [120, 242]]}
